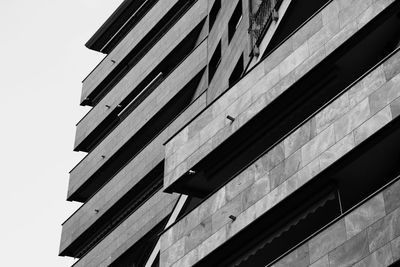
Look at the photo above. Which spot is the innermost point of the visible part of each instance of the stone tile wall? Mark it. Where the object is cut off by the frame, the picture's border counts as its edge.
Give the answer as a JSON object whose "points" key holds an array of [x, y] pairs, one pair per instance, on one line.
{"points": [[125, 46], [160, 50], [331, 27], [358, 113], [127, 178], [192, 65], [368, 236]]}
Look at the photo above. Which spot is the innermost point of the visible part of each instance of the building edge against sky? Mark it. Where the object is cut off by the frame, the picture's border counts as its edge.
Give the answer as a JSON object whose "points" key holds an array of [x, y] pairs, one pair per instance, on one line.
{"points": [[240, 133]]}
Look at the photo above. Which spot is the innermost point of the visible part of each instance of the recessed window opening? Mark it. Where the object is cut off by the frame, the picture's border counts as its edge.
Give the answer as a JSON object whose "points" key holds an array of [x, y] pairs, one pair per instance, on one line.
{"points": [[237, 72], [235, 21], [214, 62], [212, 16]]}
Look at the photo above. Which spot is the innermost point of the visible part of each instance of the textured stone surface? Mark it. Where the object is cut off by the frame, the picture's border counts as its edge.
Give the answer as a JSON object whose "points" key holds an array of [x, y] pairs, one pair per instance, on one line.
{"points": [[396, 248], [372, 125], [330, 138], [211, 243], [331, 113], [329, 239], [318, 144], [365, 215], [391, 68], [323, 262], [384, 230], [395, 108], [297, 139], [336, 151], [287, 60], [198, 234], [352, 119], [380, 258], [243, 180], [392, 197], [367, 86], [385, 95], [274, 186], [350, 252], [298, 258]]}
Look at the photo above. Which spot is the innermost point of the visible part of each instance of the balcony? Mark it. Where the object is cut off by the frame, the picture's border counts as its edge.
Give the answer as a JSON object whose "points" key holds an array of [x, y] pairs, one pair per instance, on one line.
{"points": [[351, 142], [156, 209], [138, 120], [124, 183], [137, 77], [277, 94], [157, 9]]}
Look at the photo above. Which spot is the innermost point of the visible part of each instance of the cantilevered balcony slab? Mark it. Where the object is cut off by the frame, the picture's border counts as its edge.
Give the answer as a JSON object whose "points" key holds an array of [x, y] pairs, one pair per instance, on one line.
{"points": [[127, 44], [157, 208], [171, 86], [135, 76], [150, 157], [354, 140], [267, 81], [121, 20]]}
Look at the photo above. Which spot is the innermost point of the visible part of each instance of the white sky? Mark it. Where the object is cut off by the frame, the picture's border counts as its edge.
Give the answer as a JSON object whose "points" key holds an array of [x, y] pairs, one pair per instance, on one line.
{"points": [[42, 63]]}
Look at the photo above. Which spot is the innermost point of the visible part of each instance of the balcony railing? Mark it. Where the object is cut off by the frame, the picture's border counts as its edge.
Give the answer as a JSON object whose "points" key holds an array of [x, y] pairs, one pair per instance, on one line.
{"points": [[261, 19]]}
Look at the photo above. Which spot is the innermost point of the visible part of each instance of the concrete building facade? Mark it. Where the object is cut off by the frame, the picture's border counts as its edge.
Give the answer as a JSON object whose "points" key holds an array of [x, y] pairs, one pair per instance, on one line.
{"points": [[240, 133]]}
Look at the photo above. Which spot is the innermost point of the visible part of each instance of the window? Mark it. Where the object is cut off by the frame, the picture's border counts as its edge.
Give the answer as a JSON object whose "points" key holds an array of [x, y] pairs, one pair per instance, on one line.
{"points": [[237, 72], [213, 13], [214, 62], [235, 21]]}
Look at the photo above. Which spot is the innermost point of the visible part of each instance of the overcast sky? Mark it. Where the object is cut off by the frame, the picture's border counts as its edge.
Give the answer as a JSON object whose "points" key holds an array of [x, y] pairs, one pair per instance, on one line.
{"points": [[43, 61]]}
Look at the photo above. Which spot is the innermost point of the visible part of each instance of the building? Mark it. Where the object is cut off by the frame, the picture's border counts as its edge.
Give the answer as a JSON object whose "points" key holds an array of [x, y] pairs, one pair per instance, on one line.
{"points": [[240, 133]]}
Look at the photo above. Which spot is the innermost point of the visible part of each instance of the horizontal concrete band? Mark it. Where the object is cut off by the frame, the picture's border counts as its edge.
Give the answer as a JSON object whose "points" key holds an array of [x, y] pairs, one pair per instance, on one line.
{"points": [[333, 132], [125, 180], [174, 83], [132, 79], [130, 231], [326, 31], [135, 35]]}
